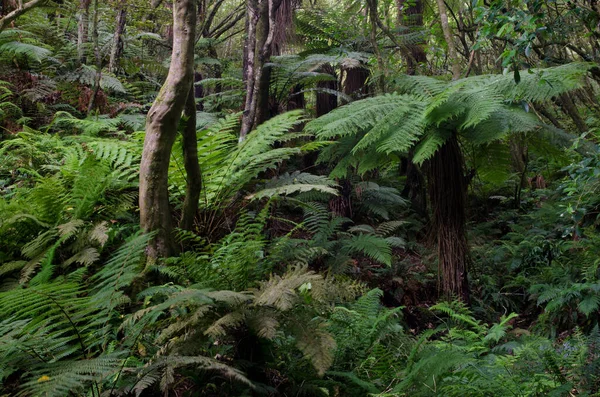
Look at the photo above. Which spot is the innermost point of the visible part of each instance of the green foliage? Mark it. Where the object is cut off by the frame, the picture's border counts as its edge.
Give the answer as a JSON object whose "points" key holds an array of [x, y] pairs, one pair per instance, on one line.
{"points": [[480, 108], [302, 278]]}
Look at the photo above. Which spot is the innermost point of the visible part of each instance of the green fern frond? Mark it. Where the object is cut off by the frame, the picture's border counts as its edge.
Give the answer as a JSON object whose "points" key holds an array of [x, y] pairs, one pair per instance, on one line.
{"points": [[372, 246], [296, 182]]}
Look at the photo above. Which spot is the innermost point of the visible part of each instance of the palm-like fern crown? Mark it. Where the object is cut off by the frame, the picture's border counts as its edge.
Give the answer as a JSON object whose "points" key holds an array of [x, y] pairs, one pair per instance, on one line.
{"points": [[428, 110]]}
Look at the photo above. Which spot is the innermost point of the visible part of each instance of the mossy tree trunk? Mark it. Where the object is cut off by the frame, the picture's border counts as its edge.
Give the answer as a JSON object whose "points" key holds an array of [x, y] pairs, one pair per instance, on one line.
{"points": [[161, 131]]}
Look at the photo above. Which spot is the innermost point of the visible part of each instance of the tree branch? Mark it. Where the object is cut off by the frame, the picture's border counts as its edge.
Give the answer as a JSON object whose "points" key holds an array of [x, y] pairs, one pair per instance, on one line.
{"points": [[11, 16]]}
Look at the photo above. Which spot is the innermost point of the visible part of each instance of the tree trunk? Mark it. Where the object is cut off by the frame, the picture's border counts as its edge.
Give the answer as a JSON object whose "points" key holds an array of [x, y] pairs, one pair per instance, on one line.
{"points": [[355, 82], [82, 29], [447, 192], [257, 85], [568, 107], [250, 69], [373, 18], [410, 14], [192, 167], [98, 59], [326, 102], [263, 108], [265, 28], [296, 99], [198, 91], [161, 130], [117, 47], [415, 187], [452, 54]]}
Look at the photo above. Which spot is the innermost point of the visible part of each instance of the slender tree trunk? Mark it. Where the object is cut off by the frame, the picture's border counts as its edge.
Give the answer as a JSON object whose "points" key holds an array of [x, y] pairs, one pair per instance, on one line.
{"points": [[258, 87], [161, 130], [198, 91], [447, 30], [264, 28], [98, 58], [250, 69], [117, 46], [82, 29], [373, 17], [192, 167], [410, 14]]}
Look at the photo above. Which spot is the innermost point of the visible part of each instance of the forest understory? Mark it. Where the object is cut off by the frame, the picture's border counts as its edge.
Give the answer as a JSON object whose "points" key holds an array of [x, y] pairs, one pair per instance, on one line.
{"points": [[284, 198]]}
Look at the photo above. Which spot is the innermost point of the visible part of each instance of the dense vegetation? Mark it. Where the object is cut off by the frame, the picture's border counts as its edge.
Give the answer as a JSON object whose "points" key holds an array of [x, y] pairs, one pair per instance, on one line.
{"points": [[275, 197]]}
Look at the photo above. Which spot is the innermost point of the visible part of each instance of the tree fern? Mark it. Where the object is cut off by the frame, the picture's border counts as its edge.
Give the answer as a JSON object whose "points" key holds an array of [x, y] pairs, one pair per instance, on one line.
{"points": [[430, 109]]}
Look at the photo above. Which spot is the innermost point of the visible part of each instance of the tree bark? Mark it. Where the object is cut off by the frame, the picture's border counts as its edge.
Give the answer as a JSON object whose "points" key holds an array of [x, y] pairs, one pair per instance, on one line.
{"points": [[355, 82], [373, 17], [198, 91], [447, 30], [447, 193], [410, 14], [257, 87], [161, 130], [250, 69], [326, 102], [192, 167], [98, 58], [117, 46], [82, 29], [568, 107], [6, 20]]}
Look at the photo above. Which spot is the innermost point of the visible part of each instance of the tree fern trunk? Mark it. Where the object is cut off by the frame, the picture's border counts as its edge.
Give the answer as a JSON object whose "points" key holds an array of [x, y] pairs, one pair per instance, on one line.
{"points": [[161, 130], [355, 81], [447, 192], [326, 102]]}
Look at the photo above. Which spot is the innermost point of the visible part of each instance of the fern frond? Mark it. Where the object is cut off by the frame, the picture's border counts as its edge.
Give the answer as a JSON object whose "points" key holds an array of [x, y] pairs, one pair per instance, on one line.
{"points": [[296, 182]]}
